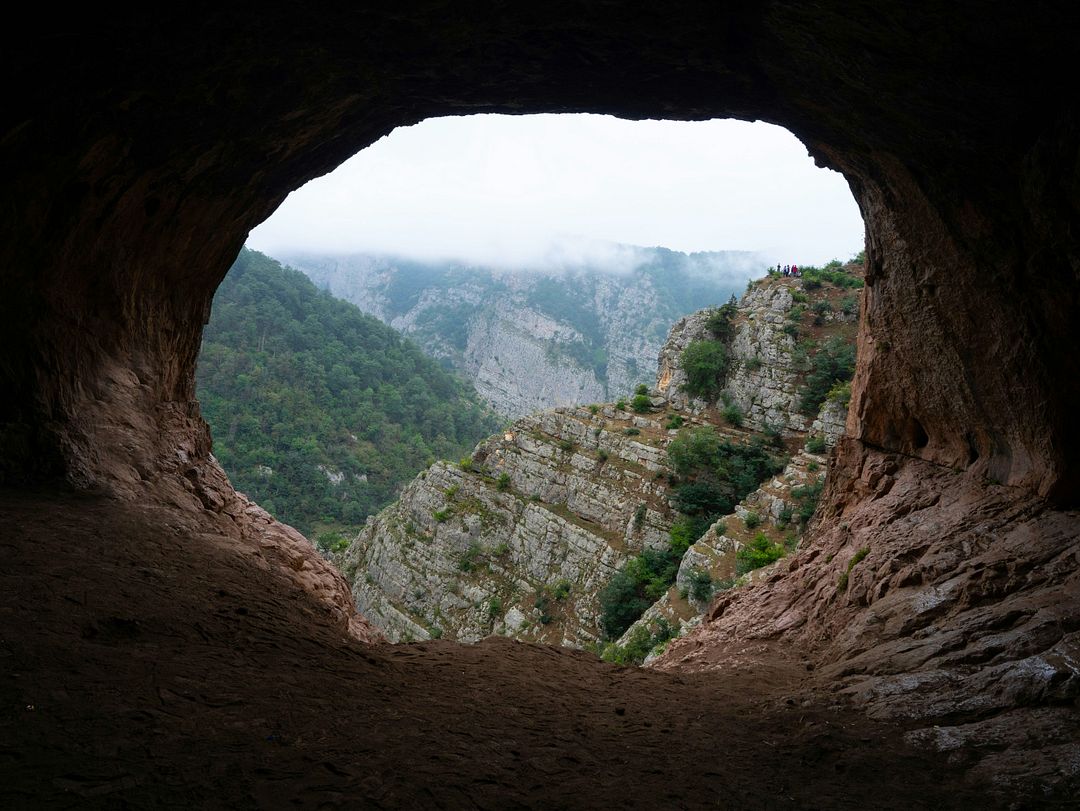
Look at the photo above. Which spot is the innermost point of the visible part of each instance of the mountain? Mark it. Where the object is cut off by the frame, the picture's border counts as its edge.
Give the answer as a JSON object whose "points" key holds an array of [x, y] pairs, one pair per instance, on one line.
{"points": [[531, 339], [318, 411], [612, 525]]}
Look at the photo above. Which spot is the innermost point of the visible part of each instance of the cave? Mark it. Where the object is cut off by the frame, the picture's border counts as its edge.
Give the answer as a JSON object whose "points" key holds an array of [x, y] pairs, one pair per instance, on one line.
{"points": [[159, 628]]}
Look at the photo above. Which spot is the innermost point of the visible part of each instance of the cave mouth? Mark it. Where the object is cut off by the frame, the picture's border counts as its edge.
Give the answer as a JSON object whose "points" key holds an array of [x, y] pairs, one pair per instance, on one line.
{"points": [[140, 150], [503, 196]]}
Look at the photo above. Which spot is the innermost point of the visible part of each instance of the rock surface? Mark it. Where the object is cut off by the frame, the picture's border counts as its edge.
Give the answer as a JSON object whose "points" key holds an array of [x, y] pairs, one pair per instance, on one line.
{"points": [[523, 343], [521, 543]]}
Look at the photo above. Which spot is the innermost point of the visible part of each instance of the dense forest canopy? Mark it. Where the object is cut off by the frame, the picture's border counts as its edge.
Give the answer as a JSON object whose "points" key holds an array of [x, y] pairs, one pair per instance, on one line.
{"points": [[319, 412]]}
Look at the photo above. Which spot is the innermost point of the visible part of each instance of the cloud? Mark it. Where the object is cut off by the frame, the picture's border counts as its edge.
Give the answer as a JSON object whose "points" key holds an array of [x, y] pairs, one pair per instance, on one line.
{"points": [[547, 191]]}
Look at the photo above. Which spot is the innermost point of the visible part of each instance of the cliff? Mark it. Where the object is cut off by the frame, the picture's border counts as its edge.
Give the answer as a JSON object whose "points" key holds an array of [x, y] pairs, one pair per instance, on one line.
{"points": [[521, 336], [521, 538]]}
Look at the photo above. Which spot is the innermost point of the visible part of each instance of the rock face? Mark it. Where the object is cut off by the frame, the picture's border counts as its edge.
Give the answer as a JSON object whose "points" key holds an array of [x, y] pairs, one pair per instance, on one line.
{"points": [[521, 542], [768, 363], [523, 342], [140, 149], [890, 599], [523, 539]]}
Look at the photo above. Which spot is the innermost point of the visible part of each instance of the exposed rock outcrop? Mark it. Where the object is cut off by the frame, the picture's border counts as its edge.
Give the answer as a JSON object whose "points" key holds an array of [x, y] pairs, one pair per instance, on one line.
{"points": [[521, 541], [767, 363], [523, 343]]}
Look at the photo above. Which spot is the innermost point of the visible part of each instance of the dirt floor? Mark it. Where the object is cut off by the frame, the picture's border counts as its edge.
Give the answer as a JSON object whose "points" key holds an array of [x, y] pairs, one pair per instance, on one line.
{"points": [[146, 662]]}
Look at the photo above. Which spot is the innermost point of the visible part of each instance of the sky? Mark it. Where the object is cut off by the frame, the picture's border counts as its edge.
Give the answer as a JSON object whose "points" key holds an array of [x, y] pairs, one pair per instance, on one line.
{"points": [[521, 191]]}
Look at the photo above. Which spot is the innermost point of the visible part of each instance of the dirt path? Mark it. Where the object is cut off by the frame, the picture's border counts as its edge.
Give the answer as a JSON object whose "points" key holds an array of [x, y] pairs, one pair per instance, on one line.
{"points": [[145, 662]]}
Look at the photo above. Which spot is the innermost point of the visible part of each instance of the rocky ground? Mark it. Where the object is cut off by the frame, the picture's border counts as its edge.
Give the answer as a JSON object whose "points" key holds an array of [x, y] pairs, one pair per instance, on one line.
{"points": [[148, 663]]}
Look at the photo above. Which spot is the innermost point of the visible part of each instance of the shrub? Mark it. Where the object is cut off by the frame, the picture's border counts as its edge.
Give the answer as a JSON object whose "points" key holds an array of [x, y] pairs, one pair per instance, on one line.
{"points": [[620, 404], [501, 549], [792, 330], [840, 393], [631, 431], [640, 644], [542, 603], [602, 455], [468, 561], [849, 305], [451, 491], [639, 516], [796, 312], [785, 516], [706, 365], [443, 515], [502, 484], [733, 415], [701, 497], [752, 520], [701, 584], [641, 389], [800, 297], [759, 552], [774, 436], [753, 364], [807, 498], [834, 363], [719, 321], [815, 444], [566, 446], [685, 530], [466, 464], [674, 422], [331, 542], [594, 409], [822, 307], [641, 403], [494, 607], [561, 590], [813, 467]]}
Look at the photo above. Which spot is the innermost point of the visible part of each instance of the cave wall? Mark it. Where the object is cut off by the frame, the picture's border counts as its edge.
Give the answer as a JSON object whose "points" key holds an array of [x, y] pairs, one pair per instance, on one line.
{"points": [[139, 150]]}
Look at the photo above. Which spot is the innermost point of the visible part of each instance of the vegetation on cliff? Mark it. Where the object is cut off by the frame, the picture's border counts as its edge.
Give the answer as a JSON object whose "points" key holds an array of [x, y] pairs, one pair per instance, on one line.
{"points": [[319, 412]]}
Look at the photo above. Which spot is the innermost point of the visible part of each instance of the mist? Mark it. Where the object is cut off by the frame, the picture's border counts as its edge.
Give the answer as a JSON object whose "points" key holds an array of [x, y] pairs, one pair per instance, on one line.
{"points": [[550, 192]]}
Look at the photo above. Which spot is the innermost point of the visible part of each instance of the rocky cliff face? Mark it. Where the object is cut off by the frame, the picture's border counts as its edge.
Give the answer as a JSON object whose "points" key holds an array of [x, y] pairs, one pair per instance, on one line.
{"points": [[520, 538], [532, 339], [781, 324]]}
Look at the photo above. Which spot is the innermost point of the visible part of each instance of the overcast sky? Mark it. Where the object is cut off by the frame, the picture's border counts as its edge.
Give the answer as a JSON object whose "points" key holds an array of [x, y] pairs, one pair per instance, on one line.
{"points": [[504, 190]]}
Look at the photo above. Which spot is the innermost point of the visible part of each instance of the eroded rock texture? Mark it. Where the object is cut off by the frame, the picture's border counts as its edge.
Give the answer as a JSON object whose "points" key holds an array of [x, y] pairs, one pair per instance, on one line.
{"points": [[138, 150]]}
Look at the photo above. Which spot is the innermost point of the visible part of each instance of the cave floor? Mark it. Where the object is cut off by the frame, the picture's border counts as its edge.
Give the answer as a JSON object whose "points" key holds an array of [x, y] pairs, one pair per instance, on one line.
{"points": [[146, 662]]}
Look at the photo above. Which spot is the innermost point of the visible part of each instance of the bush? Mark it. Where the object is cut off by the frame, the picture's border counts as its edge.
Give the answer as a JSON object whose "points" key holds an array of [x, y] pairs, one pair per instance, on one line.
{"points": [[822, 307], [602, 455], [443, 515], [494, 607], [792, 330], [501, 549], [701, 584], [759, 552], [719, 321], [807, 498], [331, 542], [621, 404], [849, 305], [752, 520], [642, 389], [733, 415], [631, 431], [701, 498], [641, 403], [834, 363], [468, 561], [542, 603], [566, 446], [840, 393], [816, 444], [676, 421], [466, 464], [640, 644], [753, 364], [706, 365], [502, 484], [561, 590], [685, 530], [639, 516]]}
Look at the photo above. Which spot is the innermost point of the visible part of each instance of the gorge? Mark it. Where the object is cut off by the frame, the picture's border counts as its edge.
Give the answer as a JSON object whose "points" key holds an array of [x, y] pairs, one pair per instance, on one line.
{"points": [[167, 643]]}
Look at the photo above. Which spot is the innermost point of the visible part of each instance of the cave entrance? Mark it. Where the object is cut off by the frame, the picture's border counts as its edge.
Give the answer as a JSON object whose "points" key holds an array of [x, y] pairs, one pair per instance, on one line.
{"points": [[544, 261]]}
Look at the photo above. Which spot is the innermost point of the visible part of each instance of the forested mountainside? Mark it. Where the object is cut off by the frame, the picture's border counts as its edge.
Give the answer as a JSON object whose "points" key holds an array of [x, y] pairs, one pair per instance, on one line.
{"points": [[611, 525], [318, 411], [531, 339]]}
